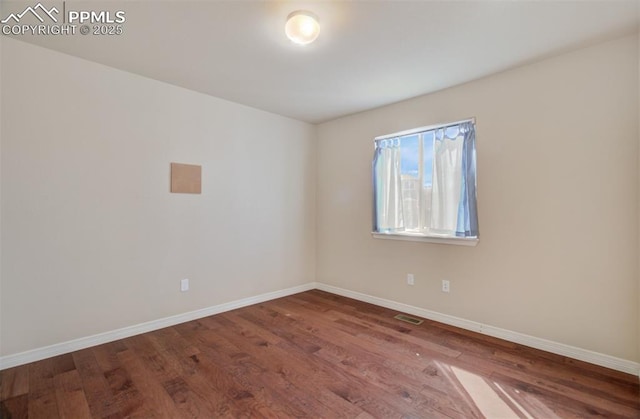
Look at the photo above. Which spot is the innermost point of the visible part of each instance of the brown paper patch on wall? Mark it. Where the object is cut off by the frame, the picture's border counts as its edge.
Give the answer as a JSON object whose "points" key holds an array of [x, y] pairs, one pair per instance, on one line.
{"points": [[186, 178]]}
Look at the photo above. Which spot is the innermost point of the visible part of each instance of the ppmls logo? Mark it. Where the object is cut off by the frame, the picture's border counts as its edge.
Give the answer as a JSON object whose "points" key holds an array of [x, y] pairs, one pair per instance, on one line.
{"points": [[43, 20], [34, 11]]}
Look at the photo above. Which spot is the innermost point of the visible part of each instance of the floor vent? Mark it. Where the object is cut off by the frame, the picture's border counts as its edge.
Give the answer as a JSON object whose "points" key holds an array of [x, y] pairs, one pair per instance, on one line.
{"points": [[408, 319]]}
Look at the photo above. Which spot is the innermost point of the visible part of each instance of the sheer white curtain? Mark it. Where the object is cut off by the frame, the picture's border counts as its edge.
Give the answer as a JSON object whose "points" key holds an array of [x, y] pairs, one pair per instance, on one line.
{"points": [[447, 180], [388, 186], [453, 201]]}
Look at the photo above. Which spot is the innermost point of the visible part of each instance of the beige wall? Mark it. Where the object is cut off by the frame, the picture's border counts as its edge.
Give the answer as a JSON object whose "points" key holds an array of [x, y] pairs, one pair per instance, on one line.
{"points": [[93, 240], [558, 203]]}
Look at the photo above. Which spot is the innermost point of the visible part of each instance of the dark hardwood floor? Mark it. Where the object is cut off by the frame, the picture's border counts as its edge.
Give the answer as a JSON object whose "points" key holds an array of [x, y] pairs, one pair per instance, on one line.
{"points": [[314, 354]]}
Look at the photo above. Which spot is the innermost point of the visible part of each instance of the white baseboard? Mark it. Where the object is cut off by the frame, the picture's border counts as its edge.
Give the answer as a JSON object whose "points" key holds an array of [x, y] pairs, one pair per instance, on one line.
{"points": [[596, 358], [608, 361], [21, 358]]}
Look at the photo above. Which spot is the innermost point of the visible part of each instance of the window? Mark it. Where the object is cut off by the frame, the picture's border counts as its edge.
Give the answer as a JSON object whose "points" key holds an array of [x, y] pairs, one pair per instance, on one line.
{"points": [[425, 184]]}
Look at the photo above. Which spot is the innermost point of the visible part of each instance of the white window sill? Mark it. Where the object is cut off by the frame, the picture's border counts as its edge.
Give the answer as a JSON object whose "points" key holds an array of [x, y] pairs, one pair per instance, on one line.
{"points": [[426, 239]]}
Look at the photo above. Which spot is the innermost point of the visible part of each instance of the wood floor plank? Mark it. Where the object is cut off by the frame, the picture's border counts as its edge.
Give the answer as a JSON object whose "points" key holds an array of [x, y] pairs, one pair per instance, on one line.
{"points": [[14, 382], [42, 396], [125, 397], [95, 385], [70, 395], [315, 355], [155, 400], [16, 407]]}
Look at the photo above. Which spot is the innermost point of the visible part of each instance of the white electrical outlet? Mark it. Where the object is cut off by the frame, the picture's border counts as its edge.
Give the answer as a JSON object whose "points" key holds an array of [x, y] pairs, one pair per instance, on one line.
{"points": [[184, 284], [445, 286], [410, 280]]}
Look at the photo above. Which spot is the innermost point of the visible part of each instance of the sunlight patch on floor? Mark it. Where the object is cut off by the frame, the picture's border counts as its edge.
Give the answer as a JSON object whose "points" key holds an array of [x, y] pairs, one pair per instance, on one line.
{"points": [[485, 398], [512, 400]]}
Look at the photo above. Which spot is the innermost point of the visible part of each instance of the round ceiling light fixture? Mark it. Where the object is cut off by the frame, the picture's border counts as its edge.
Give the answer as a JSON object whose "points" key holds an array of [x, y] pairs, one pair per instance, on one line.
{"points": [[302, 27]]}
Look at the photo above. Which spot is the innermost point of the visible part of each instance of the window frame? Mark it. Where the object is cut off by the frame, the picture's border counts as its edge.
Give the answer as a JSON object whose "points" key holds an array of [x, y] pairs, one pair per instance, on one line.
{"points": [[412, 236]]}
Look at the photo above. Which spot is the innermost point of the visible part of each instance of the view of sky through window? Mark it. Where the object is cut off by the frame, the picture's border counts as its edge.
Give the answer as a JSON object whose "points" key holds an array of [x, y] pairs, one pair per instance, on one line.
{"points": [[410, 156], [427, 147]]}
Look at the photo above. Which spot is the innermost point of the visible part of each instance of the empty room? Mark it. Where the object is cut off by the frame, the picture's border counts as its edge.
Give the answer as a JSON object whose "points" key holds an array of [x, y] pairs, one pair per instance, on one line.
{"points": [[322, 209]]}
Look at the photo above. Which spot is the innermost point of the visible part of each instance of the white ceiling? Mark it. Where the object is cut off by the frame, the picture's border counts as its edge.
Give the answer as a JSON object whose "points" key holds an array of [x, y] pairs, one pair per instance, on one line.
{"points": [[368, 54]]}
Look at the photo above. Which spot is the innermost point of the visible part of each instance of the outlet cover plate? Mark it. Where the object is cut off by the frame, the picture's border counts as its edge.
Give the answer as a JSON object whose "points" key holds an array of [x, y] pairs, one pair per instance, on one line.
{"points": [[445, 286]]}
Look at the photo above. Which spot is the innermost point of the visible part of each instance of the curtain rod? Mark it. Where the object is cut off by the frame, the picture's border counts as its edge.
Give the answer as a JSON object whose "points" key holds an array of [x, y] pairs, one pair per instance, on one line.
{"points": [[423, 129]]}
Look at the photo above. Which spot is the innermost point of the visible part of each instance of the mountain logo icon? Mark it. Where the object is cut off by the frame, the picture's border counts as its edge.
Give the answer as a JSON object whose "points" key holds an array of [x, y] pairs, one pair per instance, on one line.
{"points": [[34, 11]]}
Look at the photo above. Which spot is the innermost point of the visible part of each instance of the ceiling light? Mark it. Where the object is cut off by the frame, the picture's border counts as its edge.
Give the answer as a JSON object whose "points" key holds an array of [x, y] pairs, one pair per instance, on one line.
{"points": [[302, 27]]}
